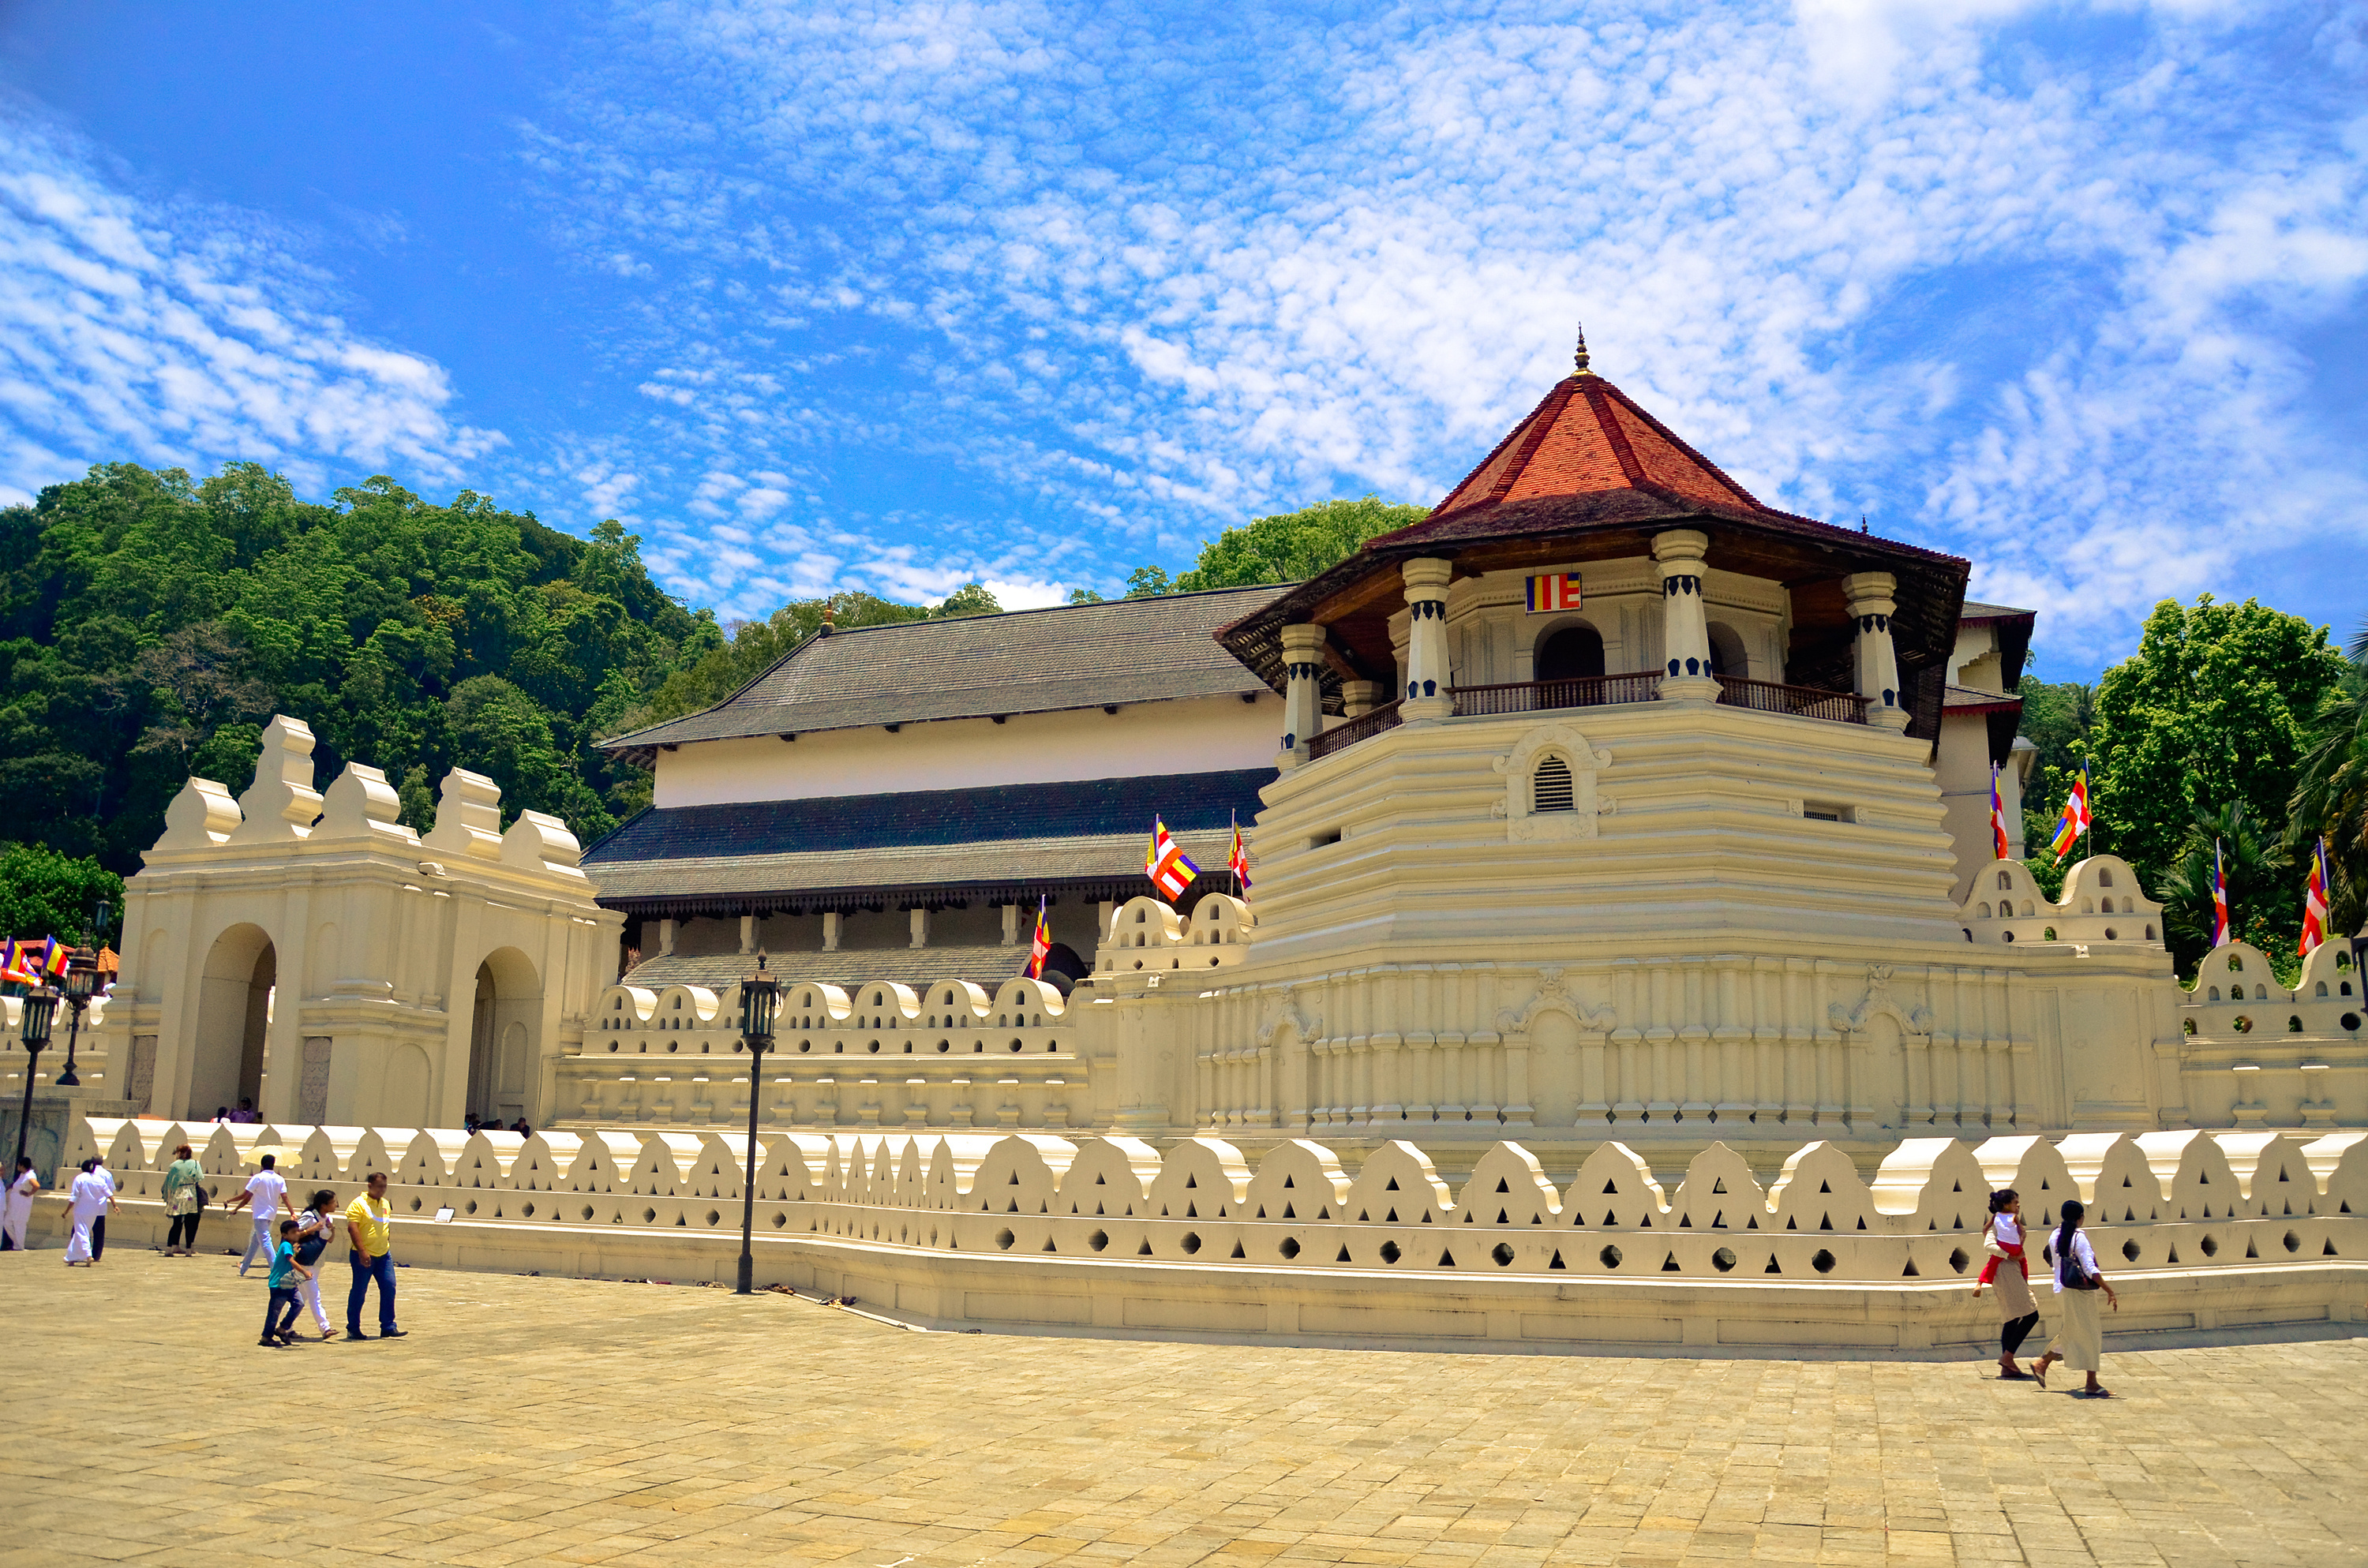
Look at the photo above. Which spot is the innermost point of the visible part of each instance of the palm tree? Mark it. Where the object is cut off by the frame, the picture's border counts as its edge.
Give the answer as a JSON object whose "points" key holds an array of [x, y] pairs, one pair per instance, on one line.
{"points": [[2256, 866], [2330, 794]]}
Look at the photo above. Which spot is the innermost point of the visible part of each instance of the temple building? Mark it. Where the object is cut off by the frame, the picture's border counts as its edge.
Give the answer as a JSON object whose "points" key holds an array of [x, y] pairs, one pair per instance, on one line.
{"points": [[1604, 802]]}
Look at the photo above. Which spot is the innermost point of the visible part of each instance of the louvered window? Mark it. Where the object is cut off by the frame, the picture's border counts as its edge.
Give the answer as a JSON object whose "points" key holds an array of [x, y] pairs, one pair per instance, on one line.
{"points": [[1549, 786]]}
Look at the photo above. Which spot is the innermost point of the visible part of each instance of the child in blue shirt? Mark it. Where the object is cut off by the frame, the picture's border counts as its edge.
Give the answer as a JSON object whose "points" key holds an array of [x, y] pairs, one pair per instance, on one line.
{"points": [[279, 1313]]}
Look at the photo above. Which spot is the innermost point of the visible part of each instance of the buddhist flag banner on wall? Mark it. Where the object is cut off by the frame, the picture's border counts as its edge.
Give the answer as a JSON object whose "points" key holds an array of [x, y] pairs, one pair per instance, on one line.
{"points": [[2074, 819], [1559, 591], [1164, 863], [1040, 947], [2314, 901], [2219, 899]]}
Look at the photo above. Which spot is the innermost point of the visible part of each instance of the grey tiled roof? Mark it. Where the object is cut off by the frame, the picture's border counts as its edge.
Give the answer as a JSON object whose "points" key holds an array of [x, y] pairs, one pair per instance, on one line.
{"points": [[1149, 650], [842, 851], [1976, 611]]}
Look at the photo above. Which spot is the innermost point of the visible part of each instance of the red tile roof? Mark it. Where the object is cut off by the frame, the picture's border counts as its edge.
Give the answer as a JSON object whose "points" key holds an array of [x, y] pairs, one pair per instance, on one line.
{"points": [[1587, 438]]}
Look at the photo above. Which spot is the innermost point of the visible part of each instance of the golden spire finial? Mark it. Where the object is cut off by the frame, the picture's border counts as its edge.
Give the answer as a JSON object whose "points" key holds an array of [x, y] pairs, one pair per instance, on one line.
{"points": [[1579, 359]]}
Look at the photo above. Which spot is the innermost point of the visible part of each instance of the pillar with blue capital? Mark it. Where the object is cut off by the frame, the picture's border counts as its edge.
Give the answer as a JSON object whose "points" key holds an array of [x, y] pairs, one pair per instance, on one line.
{"points": [[1877, 661], [1685, 625], [1428, 676], [1303, 691]]}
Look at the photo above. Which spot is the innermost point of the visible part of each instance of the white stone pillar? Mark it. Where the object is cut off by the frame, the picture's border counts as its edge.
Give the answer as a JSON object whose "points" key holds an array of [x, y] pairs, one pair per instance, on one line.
{"points": [[748, 934], [1010, 925], [1685, 629], [1303, 691], [919, 920], [831, 920], [1359, 698], [1426, 665], [1872, 606], [666, 938]]}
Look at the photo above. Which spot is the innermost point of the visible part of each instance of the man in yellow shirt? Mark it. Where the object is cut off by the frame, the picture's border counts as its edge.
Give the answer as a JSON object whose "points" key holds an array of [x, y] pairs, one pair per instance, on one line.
{"points": [[370, 1226]]}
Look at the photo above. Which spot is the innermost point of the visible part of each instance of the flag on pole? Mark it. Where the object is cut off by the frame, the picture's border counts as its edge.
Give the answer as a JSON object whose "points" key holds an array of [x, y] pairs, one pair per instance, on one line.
{"points": [[1238, 863], [1165, 865], [1557, 591], [16, 965], [2074, 819], [1040, 947], [1998, 817], [2314, 901], [53, 957], [2219, 899]]}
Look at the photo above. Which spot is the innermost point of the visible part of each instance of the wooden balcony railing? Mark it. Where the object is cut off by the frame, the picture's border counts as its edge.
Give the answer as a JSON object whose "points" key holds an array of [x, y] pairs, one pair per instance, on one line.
{"points": [[1532, 696], [1801, 701], [1341, 736]]}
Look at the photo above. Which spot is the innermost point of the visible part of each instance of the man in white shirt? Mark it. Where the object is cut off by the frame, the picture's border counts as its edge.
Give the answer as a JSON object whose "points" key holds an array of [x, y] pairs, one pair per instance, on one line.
{"points": [[267, 1194], [19, 1212]]}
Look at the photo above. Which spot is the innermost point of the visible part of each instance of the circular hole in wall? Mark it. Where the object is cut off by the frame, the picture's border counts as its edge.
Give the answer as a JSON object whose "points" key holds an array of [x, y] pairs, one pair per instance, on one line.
{"points": [[2009, 936], [805, 1045], [673, 1046], [1290, 1248], [1015, 1045], [473, 1206], [2293, 1242], [873, 1047], [526, 1211], [2351, 1022], [1004, 1240], [779, 1220], [1192, 1242], [1609, 1258], [1957, 1259], [1390, 1253], [1723, 1259], [945, 1045], [714, 1219], [613, 1045], [1098, 1241], [2112, 934], [415, 1206], [2130, 1251], [588, 1211], [1503, 1255], [649, 1216], [1823, 1262], [2210, 1246]]}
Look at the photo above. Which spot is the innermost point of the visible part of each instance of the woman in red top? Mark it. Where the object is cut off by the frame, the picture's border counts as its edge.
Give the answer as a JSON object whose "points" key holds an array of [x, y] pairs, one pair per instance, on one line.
{"points": [[2018, 1314]]}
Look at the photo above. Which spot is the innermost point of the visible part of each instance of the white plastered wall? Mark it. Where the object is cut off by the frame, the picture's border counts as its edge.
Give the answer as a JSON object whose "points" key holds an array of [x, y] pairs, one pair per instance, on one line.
{"points": [[1202, 735]]}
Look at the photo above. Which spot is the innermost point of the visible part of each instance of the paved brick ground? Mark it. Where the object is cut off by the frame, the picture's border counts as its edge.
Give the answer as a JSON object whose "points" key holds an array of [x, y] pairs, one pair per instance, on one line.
{"points": [[568, 1421]]}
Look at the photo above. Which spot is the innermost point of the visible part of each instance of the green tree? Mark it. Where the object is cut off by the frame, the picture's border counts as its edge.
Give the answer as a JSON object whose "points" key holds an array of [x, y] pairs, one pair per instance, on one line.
{"points": [[2215, 709], [43, 894], [1289, 546], [2330, 796], [2257, 871], [150, 622]]}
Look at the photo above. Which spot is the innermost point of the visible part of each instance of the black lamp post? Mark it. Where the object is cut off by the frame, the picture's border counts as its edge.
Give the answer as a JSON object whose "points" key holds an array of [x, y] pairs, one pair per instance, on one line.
{"points": [[82, 981], [760, 995], [40, 1006]]}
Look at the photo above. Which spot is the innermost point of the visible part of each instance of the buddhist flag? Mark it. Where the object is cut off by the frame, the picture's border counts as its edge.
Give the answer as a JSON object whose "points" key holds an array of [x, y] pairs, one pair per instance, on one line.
{"points": [[1238, 863], [1165, 865], [2314, 901], [2074, 819], [53, 957], [1998, 817], [2219, 899], [1040, 947], [1558, 591], [16, 965]]}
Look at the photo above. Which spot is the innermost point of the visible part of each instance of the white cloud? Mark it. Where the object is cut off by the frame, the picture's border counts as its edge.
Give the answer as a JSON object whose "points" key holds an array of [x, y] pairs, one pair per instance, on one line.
{"points": [[2011, 293], [185, 336]]}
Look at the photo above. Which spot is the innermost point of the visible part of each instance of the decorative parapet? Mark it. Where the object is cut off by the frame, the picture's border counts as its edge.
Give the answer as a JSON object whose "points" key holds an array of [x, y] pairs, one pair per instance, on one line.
{"points": [[2254, 1052], [2102, 903], [2182, 1201], [1147, 937]]}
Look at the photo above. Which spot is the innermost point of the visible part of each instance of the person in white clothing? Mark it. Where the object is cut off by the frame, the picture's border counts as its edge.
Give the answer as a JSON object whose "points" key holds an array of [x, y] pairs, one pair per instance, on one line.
{"points": [[17, 1211], [315, 1229], [266, 1195], [2080, 1344], [90, 1197]]}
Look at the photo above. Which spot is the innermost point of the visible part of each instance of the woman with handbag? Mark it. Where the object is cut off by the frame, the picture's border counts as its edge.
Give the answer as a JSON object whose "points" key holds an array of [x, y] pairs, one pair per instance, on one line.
{"points": [[2018, 1314], [185, 1200], [316, 1227], [2080, 1343]]}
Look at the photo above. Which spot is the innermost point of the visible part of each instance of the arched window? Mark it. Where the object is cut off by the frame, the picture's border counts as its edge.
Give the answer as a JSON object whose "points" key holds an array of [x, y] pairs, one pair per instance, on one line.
{"points": [[2235, 964], [2006, 881], [2215, 993], [1550, 784], [1575, 653], [2104, 875], [1726, 655]]}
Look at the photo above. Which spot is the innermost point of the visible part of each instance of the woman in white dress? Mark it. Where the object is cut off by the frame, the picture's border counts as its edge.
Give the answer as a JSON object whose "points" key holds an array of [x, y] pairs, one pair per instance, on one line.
{"points": [[2081, 1344], [16, 1212], [90, 1197]]}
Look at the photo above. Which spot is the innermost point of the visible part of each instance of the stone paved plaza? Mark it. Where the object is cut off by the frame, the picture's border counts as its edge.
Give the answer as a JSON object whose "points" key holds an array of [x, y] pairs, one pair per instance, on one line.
{"points": [[536, 1420]]}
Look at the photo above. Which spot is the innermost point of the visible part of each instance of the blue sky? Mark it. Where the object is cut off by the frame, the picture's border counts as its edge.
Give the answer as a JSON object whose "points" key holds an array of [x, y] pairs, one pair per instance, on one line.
{"points": [[891, 297]]}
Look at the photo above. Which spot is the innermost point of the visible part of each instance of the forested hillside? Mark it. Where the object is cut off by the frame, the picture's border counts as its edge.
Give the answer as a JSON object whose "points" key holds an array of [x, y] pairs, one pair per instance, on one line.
{"points": [[150, 624]]}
